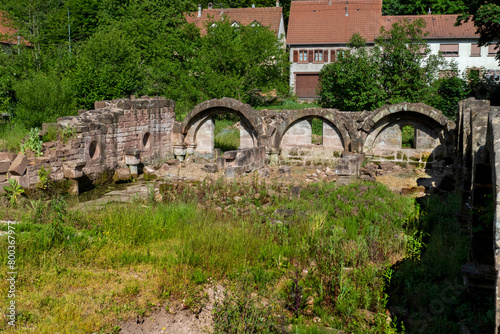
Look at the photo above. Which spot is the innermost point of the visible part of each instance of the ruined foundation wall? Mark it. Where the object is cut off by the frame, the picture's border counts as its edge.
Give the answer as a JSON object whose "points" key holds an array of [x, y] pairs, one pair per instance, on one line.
{"points": [[104, 136]]}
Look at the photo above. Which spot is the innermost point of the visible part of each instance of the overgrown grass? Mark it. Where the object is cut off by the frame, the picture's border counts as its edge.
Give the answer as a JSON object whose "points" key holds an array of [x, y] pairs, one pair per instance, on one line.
{"points": [[289, 104], [427, 293], [11, 135], [226, 137], [316, 260]]}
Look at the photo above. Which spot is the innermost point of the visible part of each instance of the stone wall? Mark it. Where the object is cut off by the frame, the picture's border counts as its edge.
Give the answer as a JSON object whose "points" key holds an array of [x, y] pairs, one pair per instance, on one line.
{"points": [[287, 134], [102, 139], [477, 172]]}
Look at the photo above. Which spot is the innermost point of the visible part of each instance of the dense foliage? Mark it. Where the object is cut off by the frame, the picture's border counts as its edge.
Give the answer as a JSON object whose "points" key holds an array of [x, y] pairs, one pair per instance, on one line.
{"points": [[398, 69], [117, 49], [486, 18], [421, 7]]}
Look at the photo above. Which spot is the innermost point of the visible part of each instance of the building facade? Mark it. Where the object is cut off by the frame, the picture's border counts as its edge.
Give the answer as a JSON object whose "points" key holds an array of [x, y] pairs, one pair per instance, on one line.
{"points": [[319, 31]]}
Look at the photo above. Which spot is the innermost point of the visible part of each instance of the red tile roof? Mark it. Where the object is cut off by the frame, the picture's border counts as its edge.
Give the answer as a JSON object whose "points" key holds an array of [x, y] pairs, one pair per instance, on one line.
{"points": [[437, 26], [318, 22], [266, 16], [7, 33]]}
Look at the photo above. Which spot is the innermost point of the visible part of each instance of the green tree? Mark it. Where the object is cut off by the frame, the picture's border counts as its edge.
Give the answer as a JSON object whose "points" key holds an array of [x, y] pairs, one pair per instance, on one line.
{"points": [[353, 82], [233, 61], [406, 72], [107, 66], [486, 18], [43, 98], [395, 70], [421, 7]]}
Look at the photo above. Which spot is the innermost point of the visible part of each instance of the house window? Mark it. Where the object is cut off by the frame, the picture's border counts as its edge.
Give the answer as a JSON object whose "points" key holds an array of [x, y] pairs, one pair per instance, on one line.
{"points": [[341, 53], [493, 75], [333, 56], [302, 55], [491, 50], [449, 50], [318, 55], [475, 50], [448, 74]]}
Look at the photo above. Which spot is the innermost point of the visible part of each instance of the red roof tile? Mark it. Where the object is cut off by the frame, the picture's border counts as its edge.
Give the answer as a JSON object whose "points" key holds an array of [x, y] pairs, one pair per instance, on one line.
{"points": [[318, 22], [266, 16], [437, 26], [7, 33]]}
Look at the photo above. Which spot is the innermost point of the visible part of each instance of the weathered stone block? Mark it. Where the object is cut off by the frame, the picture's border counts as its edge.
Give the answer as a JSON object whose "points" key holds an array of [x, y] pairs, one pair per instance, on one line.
{"points": [[22, 180], [7, 156], [3, 177], [18, 166], [4, 166]]}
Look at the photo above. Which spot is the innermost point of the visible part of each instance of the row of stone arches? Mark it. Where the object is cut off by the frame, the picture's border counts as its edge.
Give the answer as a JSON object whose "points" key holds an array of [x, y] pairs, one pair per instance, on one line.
{"points": [[367, 132]]}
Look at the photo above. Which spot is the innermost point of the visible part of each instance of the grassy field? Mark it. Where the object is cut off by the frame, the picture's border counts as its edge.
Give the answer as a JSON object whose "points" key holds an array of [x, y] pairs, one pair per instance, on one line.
{"points": [[326, 259]]}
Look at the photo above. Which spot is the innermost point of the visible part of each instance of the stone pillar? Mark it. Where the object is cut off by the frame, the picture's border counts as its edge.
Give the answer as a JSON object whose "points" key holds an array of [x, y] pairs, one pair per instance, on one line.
{"points": [[246, 137], [205, 137], [180, 152], [274, 156], [299, 134], [133, 159], [331, 137], [73, 171]]}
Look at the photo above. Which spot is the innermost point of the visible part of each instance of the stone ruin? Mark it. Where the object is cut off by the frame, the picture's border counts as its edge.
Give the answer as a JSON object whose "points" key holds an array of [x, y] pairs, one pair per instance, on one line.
{"points": [[135, 133]]}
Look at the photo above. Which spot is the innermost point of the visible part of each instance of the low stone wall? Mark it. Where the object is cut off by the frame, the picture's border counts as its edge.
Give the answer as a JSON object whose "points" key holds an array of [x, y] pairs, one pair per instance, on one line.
{"points": [[117, 134], [243, 160]]}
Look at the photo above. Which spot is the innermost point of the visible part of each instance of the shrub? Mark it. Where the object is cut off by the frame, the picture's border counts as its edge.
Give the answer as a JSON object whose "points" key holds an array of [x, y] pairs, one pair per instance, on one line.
{"points": [[43, 98]]}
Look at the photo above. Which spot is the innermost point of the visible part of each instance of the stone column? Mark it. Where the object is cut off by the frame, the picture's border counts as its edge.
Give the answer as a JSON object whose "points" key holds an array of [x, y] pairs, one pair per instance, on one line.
{"points": [[205, 137]]}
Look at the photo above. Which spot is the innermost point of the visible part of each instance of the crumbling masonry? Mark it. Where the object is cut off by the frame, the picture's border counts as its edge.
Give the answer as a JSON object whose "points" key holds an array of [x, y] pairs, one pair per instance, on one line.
{"points": [[132, 133]]}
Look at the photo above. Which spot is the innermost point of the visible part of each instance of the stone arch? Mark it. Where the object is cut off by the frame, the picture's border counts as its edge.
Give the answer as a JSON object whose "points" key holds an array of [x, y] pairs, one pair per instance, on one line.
{"points": [[328, 116], [251, 124], [389, 119]]}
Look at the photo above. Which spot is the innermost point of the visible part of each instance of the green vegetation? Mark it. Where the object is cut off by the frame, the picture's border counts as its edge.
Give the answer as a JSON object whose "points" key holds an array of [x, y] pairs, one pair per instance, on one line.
{"points": [[13, 191], [428, 293], [421, 7], [140, 48], [32, 143], [11, 135], [395, 70], [408, 136], [319, 260], [226, 135]]}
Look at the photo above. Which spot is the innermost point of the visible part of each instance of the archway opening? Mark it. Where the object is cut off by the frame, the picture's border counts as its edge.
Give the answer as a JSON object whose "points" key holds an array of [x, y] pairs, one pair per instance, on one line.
{"points": [[408, 137], [227, 132], [317, 131]]}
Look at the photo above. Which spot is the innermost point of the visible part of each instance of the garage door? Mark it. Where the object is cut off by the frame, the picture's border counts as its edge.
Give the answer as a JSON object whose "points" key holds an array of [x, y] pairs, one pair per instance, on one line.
{"points": [[305, 85]]}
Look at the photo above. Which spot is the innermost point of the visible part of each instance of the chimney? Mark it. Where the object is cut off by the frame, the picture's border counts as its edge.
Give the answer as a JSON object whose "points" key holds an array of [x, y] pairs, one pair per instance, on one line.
{"points": [[210, 5], [330, 2], [429, 12], [199, 10], [253, 5], [277, 3], [347, 8]]}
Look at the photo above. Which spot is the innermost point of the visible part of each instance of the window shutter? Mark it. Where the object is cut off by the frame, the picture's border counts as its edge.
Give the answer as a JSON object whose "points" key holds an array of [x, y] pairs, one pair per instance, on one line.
{"points": [[491, 50], [333, 57], [310, 56], [475, 50], [448, 47], [325, 56], [295, 56]]}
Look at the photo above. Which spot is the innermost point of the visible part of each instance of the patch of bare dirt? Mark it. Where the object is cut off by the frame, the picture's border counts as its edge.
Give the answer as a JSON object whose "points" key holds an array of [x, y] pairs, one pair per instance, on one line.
{"points": [[176, 319]]}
